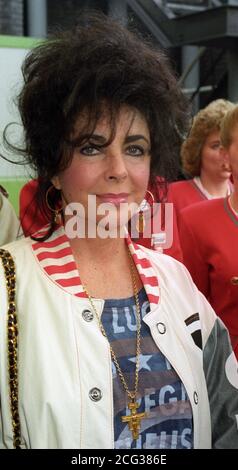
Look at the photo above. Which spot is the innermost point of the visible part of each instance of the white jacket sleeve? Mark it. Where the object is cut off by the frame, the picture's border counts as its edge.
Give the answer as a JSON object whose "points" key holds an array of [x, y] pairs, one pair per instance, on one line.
{"points": [[9, 223]]}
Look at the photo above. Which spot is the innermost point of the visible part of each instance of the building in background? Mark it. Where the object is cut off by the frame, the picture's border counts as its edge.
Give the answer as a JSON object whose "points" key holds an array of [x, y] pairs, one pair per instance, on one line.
{"points": [[12, 17], [201, 36]]}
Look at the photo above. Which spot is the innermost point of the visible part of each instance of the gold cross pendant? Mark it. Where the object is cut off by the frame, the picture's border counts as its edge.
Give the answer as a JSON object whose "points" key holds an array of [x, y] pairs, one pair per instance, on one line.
{"points": [[134, 420]]}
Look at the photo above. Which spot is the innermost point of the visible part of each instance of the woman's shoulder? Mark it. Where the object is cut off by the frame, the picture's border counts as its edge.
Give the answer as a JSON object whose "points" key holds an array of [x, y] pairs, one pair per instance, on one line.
{"points": [[178, 186], [24, 267], [183, 193], [19, 248], [202, 210]]}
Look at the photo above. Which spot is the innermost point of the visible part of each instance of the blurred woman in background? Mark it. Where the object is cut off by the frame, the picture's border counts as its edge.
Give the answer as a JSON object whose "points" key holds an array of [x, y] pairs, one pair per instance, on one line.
{"points": [[209, 238], [202, 160]]}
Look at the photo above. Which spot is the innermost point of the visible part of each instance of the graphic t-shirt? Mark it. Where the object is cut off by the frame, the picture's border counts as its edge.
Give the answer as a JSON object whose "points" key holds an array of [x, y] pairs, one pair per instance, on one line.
{"points": [[161, 394]]}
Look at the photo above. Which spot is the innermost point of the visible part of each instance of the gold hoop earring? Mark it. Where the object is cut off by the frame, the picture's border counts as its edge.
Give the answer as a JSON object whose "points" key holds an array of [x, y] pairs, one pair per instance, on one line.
{"points": [[151, 195], [56, 212]]}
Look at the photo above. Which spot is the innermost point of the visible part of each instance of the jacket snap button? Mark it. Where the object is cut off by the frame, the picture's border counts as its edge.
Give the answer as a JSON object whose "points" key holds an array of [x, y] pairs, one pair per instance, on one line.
{"points": [[95, 394], [87, 315], [234, 280], [161, 328], [195, 398]]}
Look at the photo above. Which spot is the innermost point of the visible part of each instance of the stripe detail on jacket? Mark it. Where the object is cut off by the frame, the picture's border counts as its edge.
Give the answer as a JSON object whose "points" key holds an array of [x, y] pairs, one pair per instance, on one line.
{"points": [[194, 327], [56, 258]]}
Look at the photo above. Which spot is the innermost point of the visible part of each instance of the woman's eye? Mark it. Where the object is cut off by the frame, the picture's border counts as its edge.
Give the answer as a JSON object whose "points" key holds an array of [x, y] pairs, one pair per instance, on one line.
{"points": [[89, 150], [135, 150], [215, 146]]}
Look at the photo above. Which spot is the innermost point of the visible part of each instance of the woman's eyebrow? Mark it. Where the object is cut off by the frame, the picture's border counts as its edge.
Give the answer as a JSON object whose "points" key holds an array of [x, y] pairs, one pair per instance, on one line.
{"points": [[95, 137], [132, 138], [102, 139]]}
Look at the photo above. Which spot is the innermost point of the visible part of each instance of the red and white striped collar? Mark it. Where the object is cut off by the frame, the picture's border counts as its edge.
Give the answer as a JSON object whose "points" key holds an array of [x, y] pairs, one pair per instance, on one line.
{"points": [[56, 258]]}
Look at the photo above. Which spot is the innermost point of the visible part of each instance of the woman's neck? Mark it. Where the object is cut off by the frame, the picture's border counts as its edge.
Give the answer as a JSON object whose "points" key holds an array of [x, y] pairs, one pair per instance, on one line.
{"points": [[215, 188], [104, 267], [98, 249]]}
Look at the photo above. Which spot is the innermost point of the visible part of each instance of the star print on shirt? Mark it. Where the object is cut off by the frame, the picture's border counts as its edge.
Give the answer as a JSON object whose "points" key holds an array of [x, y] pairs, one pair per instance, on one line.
{"points": [[144, 359]]}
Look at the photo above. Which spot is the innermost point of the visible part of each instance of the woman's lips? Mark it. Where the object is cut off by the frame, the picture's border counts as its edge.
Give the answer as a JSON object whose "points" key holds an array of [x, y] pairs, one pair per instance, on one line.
{"points": [[226, 168], [115, 199]]}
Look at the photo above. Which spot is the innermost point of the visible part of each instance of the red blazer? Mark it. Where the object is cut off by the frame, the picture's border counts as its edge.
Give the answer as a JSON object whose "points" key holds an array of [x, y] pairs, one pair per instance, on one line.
{"points": [[183, 194], [209, 241]]}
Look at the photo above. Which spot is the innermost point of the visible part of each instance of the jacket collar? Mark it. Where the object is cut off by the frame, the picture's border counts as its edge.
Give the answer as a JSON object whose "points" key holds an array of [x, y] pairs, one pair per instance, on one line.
{"points": [[57, 261]]}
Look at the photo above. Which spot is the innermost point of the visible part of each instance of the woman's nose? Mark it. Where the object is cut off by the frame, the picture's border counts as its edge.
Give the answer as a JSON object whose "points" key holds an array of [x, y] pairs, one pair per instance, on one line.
{"points": [[223, 154], [116, 166]]}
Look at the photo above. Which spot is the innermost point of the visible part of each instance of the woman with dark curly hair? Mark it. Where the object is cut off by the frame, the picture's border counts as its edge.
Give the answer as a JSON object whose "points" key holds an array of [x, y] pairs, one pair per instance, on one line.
{"points": [[104, 343], [202, 161]]}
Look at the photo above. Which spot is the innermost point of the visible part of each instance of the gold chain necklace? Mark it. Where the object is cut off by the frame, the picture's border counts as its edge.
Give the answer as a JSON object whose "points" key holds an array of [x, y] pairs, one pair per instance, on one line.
{"points": [[134, 420]]}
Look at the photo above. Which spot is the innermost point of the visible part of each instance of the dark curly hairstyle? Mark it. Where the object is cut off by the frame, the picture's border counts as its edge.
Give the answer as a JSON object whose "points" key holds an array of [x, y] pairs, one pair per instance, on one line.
{"points": [[99, 61]]}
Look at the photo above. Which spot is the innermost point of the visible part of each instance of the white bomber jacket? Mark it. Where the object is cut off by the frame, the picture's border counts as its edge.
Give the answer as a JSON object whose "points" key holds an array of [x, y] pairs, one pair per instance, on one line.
{"points": [[62, 358]]}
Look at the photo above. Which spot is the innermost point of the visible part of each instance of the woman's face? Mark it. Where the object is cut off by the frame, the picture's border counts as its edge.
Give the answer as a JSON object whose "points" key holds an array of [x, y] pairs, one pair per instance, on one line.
{"points": [[213, 164], [117, 173], [231, 154]]}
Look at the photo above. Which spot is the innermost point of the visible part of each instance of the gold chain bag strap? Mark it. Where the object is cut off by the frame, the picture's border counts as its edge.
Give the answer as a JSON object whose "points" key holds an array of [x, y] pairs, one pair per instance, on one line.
{"points": [[12, 340]]}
